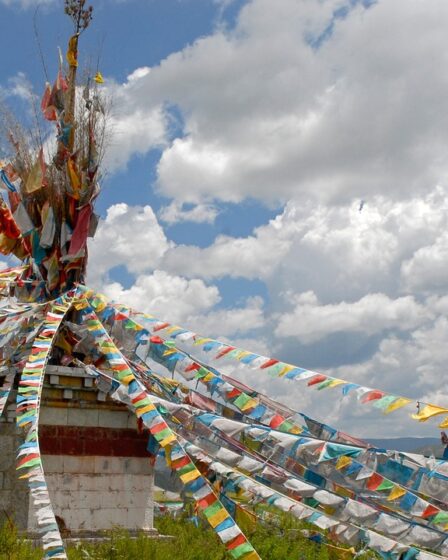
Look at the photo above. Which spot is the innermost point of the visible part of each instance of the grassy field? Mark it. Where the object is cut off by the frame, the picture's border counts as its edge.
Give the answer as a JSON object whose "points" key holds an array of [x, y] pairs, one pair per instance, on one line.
{"points": [[190, 543]]}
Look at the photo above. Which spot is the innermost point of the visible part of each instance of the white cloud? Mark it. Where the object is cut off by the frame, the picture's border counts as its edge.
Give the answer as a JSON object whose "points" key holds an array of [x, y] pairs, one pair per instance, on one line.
{"points": [[19, 86], [129, 237], [135, 127], [230, 322], [414, 367], [269, 116], [26, 3], [307, 244], [188, 302], [310, 321], [170, 297], [251, 257], [427, 269], [175, 213]]}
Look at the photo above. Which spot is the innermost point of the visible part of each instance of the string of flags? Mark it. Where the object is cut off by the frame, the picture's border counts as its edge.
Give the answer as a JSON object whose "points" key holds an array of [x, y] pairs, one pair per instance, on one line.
{"points": [[232, 447], [222, 353], [250, 443], [245, 470], [215, 513], [29, 460]]}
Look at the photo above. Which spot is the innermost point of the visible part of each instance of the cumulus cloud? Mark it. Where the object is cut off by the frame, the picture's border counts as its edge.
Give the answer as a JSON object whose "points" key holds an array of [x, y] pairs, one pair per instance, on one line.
{"points": [[301, 103], [306, 244], [414, 366], [136, 128], [200, 213], [320, 105], [171, 297], [427, 268], [18, 86], [26, 3], [188, 302], [129, 237], [231, 322], [250, 257], [310, 321]]}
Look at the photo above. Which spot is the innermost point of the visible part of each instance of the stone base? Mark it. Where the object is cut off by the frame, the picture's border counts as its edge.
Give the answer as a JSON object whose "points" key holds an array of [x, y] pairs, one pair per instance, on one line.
{"points": [[95, 461]]}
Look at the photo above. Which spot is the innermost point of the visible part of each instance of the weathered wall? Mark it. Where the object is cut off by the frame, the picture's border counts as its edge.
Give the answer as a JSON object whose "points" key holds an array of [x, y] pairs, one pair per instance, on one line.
{"points": [[96, 493], [96, 464], [13, 492]]}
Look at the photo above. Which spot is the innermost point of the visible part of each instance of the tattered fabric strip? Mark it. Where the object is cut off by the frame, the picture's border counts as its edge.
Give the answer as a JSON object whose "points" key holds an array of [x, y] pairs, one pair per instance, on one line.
{"points": [[393, 490], [253, 461], [386, 402], [376, 520], [6, 389], [331, 450], [191, 369], [215, 513], [344, 532], [14, 338], [29, 396]]}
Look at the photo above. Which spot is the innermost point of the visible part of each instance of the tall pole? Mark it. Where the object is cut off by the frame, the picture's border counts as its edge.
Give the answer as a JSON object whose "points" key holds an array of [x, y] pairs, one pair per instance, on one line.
{"points": [[81, 17]]}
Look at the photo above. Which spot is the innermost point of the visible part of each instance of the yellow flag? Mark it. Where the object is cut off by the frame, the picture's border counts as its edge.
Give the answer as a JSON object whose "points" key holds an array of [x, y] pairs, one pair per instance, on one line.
{"points": [[169, 439], [342, 553], [72, 53], [147, 408], [201, 341], [400, 402], [396, 493], [295, 430], [444, 424], [99, 78], [335, 383], [241, 354], [189, 476], [35, 180], [218, 517], [252, 556], [428, 411], [249, 404], [342, 462], [75, 181], [286, 369], [7, 245], [62, 343]]}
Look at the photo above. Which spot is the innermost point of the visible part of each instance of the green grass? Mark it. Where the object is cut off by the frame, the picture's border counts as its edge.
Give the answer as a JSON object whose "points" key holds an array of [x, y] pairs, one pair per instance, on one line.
{"points": [[281, 542]]}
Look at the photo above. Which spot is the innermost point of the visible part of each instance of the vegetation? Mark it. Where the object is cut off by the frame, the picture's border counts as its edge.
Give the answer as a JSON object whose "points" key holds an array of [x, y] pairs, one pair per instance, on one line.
{"points": [[283, 541]]}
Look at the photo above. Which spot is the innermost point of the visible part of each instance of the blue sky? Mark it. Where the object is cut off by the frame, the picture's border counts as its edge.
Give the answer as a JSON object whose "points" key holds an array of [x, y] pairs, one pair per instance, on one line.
{"points": [[125, 36], [244, 139]]}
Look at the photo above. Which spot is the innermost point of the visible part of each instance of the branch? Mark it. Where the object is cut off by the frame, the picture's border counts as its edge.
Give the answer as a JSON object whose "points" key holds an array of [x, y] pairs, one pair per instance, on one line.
{"points": [[79, 14]]}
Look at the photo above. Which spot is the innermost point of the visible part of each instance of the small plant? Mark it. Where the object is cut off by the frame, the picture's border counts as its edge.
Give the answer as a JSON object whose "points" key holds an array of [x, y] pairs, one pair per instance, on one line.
{"points": [[12, 547], [282, 541]]}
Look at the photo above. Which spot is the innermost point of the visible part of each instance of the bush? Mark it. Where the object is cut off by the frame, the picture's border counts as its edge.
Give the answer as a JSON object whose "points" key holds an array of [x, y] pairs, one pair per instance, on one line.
{"points": [[279, 541]]}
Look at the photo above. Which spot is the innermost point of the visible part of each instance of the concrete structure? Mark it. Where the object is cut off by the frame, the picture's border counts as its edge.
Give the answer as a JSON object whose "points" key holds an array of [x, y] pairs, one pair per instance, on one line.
{"points": [[95, 461]]}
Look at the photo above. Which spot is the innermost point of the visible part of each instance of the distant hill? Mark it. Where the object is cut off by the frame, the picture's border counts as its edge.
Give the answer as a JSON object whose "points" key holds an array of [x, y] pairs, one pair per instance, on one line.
{"points": [[422, 445]]}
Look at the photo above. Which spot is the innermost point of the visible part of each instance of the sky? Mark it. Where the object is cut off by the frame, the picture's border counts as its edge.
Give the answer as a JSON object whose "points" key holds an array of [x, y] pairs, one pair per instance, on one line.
{"points": [[276, 177]]}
